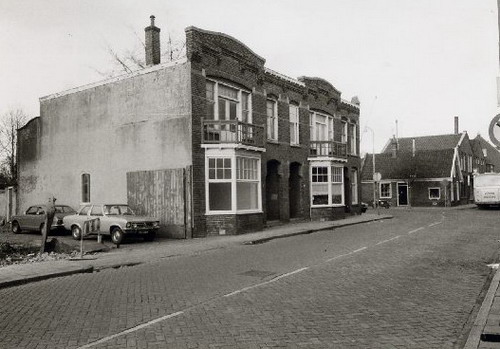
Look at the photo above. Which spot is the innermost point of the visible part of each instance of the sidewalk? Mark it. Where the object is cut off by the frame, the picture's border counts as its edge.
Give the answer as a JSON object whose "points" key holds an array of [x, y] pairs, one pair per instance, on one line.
{"points": [[133, 254], [485, 332]]}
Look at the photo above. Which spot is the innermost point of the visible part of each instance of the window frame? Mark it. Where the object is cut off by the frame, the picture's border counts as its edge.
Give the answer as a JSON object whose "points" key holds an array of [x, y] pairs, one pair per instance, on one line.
{"points": [[241, 92], [439, 193], [380, 190], [233, 156], [354, 186], [294, 124], [329, 182], [274, 119], [85, 187]]}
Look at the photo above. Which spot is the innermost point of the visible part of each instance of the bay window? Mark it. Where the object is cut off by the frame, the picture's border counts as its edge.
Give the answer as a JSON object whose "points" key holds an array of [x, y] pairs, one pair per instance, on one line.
{"points": [[327, 185], [219, 184], [247, 183], [294, 124], [233, 183]]}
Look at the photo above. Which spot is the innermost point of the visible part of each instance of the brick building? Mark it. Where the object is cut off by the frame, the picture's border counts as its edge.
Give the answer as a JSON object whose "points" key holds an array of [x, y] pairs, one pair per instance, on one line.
{"points": [[215, 143], [422, 171]]}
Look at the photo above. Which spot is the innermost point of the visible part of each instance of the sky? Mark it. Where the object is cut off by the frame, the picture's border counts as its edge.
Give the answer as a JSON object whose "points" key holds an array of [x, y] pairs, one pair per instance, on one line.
{"points": [[419, 63]]}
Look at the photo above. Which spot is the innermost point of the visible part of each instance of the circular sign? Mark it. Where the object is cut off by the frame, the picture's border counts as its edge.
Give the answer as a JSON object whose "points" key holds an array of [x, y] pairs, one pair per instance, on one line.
{"points": [[377, 176], [495, 130]]}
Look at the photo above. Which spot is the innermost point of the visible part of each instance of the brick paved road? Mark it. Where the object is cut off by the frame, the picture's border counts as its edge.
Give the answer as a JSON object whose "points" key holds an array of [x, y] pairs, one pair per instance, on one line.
{"points": [[411, 282]]}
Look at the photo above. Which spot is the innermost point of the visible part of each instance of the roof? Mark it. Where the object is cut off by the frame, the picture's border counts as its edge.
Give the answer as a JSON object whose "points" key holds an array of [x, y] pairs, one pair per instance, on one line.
{"points": [[425, 164], [492, 154], [436, 142]]}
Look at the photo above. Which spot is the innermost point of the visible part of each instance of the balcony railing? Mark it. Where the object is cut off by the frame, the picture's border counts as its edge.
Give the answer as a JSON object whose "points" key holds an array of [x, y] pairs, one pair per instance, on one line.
{"points": [[232, 131], [328, 148]]}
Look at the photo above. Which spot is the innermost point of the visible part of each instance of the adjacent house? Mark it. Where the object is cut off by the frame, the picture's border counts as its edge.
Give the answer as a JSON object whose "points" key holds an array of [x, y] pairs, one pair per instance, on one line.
{"points": [[422, 171], [215, 143]]}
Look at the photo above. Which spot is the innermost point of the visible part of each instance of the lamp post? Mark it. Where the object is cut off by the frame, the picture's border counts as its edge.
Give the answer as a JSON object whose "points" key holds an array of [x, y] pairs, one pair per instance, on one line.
{"points": [[373, 163]]}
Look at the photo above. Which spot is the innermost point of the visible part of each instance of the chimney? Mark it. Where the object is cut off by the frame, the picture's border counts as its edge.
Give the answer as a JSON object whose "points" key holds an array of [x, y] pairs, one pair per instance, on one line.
{"points": [[456, 125], [394, 147], [413, 147], [152, 43]]}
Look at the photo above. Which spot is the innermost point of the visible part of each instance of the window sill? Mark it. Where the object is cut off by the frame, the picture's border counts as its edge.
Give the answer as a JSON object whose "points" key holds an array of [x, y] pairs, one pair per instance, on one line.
{"points": [[219, 213], [385, 197], [326, 206], [273, 141], [295, 145]]}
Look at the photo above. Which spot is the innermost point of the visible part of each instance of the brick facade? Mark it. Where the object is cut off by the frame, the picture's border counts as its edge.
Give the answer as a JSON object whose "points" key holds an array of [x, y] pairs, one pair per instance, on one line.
{"points": [[225, 59]]}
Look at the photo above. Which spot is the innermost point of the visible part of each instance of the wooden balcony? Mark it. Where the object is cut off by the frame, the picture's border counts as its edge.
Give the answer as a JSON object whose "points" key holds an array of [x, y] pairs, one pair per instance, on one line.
{"points": [[329, 149], [232, 131]]}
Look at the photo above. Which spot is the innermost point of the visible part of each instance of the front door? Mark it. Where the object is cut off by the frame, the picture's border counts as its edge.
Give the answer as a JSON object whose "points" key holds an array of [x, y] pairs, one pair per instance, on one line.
{"points": [[402, 194], [272, 191]]}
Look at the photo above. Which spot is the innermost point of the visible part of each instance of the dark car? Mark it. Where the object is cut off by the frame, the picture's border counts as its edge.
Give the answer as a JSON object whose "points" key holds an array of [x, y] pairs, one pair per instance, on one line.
{"points": [[34, 218]]}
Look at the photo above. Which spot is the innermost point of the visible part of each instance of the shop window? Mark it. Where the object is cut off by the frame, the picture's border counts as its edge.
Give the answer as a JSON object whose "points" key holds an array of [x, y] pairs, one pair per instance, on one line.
{"points": [[354, 191]]}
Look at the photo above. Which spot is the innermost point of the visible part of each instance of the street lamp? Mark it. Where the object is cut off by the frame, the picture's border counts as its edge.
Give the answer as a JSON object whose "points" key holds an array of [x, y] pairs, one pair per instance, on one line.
{"points": [[373, 162]]}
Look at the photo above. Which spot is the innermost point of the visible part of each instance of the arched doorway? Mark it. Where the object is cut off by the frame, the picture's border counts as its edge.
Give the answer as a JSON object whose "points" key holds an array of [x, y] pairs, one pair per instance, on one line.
{"points": [[272, 191], [294, 181]]}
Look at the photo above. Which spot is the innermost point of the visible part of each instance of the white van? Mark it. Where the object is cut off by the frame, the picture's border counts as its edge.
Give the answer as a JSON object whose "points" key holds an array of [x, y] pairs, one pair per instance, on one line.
{"points": [[487, 189]]}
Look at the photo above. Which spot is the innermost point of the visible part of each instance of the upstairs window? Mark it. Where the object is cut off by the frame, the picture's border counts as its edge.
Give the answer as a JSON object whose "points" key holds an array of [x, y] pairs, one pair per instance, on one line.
{"points": [[226, 102], [294, 124], [85, 187], [353, 139], [272, 120]]}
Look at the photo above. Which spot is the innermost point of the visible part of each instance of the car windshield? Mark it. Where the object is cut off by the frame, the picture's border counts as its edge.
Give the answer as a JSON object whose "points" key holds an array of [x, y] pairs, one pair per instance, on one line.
{"points": [[118, 210]]}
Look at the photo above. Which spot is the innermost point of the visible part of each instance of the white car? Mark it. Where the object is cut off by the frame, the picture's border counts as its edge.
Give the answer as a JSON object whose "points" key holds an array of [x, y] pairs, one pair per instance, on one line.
{"points": [[117, 220]]}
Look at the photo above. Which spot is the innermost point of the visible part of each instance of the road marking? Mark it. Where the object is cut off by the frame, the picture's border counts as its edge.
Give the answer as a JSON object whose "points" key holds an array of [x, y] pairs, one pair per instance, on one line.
{"points": [[130, 330], [359, 249], [266, 282], [339, 256], [433, 224], [415, 230]]}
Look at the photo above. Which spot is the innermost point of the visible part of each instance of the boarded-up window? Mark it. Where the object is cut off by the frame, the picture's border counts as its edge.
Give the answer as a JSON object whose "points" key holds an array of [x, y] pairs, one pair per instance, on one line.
{"points": [[85, 187]]}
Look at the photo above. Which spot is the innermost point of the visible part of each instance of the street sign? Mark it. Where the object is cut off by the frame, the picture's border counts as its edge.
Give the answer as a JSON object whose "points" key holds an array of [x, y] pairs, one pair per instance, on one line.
{"points": [[377, 176], [494, 130]]}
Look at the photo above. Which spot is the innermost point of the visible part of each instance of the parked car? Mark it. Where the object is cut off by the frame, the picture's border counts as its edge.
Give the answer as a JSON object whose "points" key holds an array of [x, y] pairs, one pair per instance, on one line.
{"points": [[33, 218], [117, 220]]}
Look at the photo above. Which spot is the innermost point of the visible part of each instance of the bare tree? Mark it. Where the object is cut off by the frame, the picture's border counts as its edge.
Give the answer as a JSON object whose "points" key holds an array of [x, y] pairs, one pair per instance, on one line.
{"points": [[9, 123], [130, 60]]}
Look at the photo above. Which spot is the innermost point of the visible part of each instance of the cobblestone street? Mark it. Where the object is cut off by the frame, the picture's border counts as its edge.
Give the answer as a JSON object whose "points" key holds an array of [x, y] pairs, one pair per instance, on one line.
{"points": [[410, 282]]}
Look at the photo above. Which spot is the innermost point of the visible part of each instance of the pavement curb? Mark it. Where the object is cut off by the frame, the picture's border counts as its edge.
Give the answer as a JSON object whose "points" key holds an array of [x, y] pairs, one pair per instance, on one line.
{"points": [[476, 331], [29, 279], [309, 231]]}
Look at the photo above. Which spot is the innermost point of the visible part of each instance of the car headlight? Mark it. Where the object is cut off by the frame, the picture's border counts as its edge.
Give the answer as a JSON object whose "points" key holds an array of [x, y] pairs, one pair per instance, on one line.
{"points": [[156, 224], [128, 225]]}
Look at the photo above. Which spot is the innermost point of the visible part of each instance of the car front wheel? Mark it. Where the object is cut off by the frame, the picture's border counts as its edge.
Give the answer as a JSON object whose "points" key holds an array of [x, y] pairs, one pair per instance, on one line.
{"points": [[117, 236], [16, 229], [76, 232]]}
